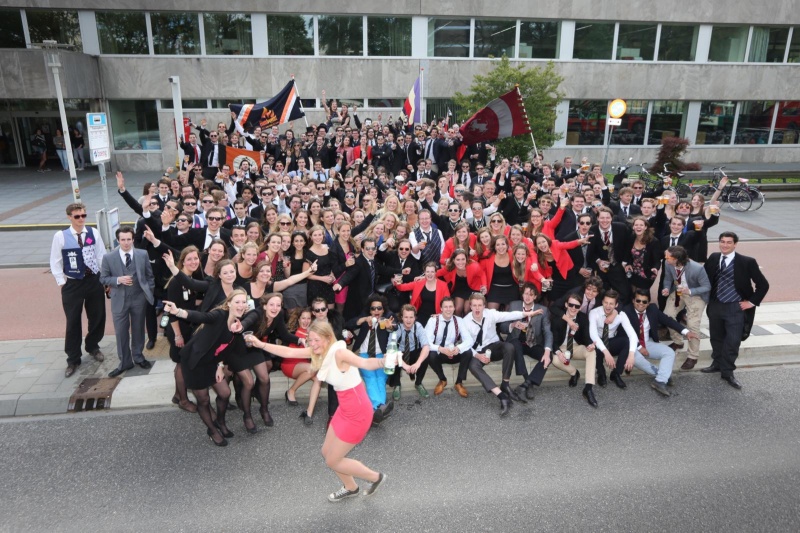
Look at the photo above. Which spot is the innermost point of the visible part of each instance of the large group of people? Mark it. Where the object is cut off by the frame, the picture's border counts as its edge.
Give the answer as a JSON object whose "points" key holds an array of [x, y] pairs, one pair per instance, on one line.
{"points": [[357, 239]]}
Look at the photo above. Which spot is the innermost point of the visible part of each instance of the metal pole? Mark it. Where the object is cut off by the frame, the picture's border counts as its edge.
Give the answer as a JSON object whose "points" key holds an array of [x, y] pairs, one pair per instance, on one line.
{"points": [[177, 113], [610, 130], [300, 100], [54, 63]]}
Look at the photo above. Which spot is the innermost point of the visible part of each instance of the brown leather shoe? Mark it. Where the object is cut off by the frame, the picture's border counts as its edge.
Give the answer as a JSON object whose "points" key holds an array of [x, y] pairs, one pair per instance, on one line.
{"points": [[98, 356], [70, 370], [675, 346], [439, 387], [688, 364], [461, 390]]}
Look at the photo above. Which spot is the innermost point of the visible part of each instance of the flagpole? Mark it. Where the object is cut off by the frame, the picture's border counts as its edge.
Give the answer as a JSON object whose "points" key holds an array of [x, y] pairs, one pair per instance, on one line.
{"points": [[300, 100], [519, 95], [422, 104]]}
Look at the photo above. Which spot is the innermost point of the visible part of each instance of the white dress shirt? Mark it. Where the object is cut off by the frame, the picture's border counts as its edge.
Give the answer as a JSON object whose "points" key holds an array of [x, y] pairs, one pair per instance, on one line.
{"points": [[597, 317], [57, 261], [450, 340]]}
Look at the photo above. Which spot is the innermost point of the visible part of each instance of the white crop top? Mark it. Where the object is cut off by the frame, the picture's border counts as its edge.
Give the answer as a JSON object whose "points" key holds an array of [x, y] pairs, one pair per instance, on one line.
{"points": [[330, 373]]}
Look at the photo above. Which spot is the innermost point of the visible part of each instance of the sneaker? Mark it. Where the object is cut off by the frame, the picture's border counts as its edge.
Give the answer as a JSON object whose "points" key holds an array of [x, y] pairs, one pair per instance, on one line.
{"points": [[396, 393], [372, 488], [660, 388], [343, 494], [423, 392]]}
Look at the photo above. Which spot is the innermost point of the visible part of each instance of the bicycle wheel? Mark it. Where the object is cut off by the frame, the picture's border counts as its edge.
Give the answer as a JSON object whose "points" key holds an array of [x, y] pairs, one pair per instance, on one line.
{"points": [[739, 199], [757, 197], [683, 191], [706, 190]]}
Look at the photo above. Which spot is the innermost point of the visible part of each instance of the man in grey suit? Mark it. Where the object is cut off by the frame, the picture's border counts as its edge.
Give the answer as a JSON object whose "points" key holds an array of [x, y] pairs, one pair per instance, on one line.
{"points": [[530, 337], [127, 271], [688, 287]]}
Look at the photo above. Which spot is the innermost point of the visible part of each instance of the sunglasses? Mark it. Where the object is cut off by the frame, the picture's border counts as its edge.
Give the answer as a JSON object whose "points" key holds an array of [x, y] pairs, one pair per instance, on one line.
{"points": [[151, 203], [320, 310], [183, 220], [454, 210], [84, 215], [497, 221], [376, 308], [584, 223], [214, 219], [304, 193], [285, 223], [369, 249], [574, 306], [208, 201], [642, 301], [189, 203], [213, 136]]}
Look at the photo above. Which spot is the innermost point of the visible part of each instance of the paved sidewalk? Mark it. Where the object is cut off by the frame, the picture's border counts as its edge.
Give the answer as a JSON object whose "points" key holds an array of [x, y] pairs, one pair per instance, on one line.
{"points": [[32, 372]]}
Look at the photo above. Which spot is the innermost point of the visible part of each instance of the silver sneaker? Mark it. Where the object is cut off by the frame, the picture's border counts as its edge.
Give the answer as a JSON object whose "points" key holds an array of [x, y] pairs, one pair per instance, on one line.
{"points": [[660, 388], [342, 494], [372, 488]]}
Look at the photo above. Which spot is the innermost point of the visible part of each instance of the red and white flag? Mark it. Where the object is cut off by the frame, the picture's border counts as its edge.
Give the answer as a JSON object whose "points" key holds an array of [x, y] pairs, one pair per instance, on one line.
{"points": [[501, 118]]}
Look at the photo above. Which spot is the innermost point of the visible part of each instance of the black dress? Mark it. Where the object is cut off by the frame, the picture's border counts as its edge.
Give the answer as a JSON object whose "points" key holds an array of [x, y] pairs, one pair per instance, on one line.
{"points": [[427, 306], [504, 289], [560, 285], [462, 289], [316, 288], [184, 298], [239, 357]]}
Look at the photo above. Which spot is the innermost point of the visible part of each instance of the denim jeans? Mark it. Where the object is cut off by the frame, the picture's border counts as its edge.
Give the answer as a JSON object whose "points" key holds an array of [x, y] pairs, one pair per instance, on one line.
{"points": [[665, 354], [375, 381]]}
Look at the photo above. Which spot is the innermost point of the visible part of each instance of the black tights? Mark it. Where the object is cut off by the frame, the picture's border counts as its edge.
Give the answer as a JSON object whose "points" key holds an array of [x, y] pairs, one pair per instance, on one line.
{"points": [[204, 406], [247, 386]]}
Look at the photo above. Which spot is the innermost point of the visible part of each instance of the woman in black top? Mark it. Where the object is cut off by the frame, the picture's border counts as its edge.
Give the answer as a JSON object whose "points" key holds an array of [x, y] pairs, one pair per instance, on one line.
{"points": [[202, 358], [295, 296]]}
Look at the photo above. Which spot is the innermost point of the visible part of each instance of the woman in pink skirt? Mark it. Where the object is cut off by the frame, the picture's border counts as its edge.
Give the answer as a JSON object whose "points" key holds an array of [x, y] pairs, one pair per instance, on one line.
{"points": [[338, 366]]}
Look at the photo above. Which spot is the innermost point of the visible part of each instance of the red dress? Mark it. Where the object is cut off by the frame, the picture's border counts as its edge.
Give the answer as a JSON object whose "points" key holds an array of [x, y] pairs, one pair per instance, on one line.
{"points": [[288, 364]]}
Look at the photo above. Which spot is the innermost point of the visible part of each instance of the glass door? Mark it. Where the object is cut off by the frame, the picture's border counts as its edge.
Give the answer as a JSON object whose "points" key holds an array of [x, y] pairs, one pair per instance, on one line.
{"points": [[9, 147]]}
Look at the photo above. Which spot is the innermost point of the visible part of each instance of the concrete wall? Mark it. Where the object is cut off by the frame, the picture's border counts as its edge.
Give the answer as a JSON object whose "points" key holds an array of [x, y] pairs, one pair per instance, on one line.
{"points": [[25, 74]]}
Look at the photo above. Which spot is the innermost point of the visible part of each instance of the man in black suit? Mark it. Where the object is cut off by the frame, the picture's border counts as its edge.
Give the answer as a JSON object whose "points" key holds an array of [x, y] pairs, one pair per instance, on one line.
{"points": [[477, 153], [645, 319], [164, 193], [435, 149], [610, 251], [212, 155], [581, 269], [190, 149], [401, 155], [656, 216], [731, 308], [465, 175], [241, 218], [625, 209], [362, 278], [201, 237], [402, 261], [675, 237], [591, 296], [569, 220]]}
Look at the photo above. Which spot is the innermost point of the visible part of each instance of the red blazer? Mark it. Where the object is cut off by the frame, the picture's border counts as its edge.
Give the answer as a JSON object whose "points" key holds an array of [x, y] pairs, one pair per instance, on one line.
{"points": [[533, 277], [563, 260], [549, 226], [416, 292], [450, 247], [487, 265], [528, 244], [475, 277]]}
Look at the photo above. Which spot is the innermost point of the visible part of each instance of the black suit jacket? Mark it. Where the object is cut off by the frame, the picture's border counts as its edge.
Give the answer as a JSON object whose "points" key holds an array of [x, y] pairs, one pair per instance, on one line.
{"points": [[228, 224], [619, 214], [382, 336], [557, 308], [621, 243], [392, 262], [746, 274], [357, 278], [686, 239], [655, 317], [195, 236], [559, 328], [189, 150], [207, 152]]}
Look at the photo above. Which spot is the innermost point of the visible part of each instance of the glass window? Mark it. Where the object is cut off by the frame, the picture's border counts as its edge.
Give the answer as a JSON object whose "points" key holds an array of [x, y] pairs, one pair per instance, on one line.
{"points": [[668, 119], [678, 43], [122, 32], [186, 104], [631, 131], [794, 47], [439, 107], [448, 37], [11, 32], [716, 122], [340, 36], [290, 35], [388, 36], [228, 34], [539, 39], [728, 43], [222, 103], [587, 121], [636, 42], [134, 124], [768, 45], [755, 120], [593, 40], [60, 26], [787, 125], [175, 33], [386, 102], [495, 38]]}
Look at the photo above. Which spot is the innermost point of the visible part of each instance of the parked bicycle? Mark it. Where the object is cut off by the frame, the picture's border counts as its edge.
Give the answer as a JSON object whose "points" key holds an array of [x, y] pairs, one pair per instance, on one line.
{"points": [[739, 196], [672, 181]]}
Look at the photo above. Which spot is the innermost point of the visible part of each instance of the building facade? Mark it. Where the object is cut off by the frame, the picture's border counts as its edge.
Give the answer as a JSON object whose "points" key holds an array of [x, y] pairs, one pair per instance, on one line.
{"points": [[723, 74]]}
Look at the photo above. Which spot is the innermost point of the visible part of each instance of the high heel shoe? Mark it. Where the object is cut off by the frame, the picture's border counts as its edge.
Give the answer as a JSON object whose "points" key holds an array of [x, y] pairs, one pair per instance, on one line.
{"points": [[252, 430], [267, 418], [293, 403], [211, 436], [228, 434], [308, 419]]}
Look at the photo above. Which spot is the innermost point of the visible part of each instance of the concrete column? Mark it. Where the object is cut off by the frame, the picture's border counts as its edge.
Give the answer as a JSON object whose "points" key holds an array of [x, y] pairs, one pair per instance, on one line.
{"points": [[419, 37], [562, 118], [692, 120], [88, 26], [567, 40], [703, 43], [258, 25]]}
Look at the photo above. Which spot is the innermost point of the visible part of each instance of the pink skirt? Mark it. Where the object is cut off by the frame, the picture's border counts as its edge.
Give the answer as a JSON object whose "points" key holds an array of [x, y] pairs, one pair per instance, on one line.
{"points": [[353, 417]]}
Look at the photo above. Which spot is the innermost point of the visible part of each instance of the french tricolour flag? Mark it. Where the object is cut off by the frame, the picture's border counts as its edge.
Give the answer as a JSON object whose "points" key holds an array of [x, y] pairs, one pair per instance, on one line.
{"points": [[412, 108]]}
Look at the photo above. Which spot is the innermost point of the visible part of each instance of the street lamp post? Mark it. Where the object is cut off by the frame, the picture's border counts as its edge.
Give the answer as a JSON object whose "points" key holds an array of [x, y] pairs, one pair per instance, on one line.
{"points": [[54, 62]]}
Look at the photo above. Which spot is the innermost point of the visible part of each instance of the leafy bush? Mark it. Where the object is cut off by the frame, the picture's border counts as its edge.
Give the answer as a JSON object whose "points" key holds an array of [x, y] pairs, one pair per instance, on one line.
{"points": [[671, 153]]}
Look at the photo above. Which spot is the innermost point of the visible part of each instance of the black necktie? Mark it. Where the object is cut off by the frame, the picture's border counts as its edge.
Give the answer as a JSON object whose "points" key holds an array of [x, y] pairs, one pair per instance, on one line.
{"points": [[127, 260], [479, 337], [373, 332], [605, 333], [80, 239], [674, 241], [372, 274], [570, 340], [406, 347], [444, 333]]}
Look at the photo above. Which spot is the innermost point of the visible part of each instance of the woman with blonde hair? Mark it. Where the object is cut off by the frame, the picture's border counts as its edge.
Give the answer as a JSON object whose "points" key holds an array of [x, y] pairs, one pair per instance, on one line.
{"points": [[484, 244], [338, 366], [271, 220], [254, 233], [245, 262]]}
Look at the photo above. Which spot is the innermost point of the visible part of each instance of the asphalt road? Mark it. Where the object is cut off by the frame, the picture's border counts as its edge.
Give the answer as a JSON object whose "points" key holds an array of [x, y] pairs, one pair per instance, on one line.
{"points": [[709, 458]]}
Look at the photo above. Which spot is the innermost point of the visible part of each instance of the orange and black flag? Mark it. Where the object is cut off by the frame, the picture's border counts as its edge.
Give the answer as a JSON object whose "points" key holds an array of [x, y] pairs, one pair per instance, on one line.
{"points": [[283, 107]]}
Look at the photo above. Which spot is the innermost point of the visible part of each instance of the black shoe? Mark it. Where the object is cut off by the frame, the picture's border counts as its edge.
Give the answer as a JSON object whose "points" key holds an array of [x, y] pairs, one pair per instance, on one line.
{"points": [[290, 402], [227, 434], [573, 380], [589, 395], [308, 420], [505, 406], [144, 363], [252, 430], [377, 417], [150, 344], [521, 391], [117, 371], [714, 367], [211, 436], [733, 382], [512, 393], [529, 392], [372, 488], [267, 418], [70, 370], [618, 380], [387, 408], [602, 380]]}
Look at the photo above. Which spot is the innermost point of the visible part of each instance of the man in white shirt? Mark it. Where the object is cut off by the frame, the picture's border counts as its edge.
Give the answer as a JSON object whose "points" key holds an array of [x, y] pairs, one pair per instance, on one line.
{"points": [[75, 258], [604, 324], [450, 343], [426, 241], [412, 341], [481, 324]]}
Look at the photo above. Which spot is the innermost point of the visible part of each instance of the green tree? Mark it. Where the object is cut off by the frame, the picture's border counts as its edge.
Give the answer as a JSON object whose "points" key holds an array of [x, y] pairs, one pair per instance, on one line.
{"points": [[539, 87]]}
